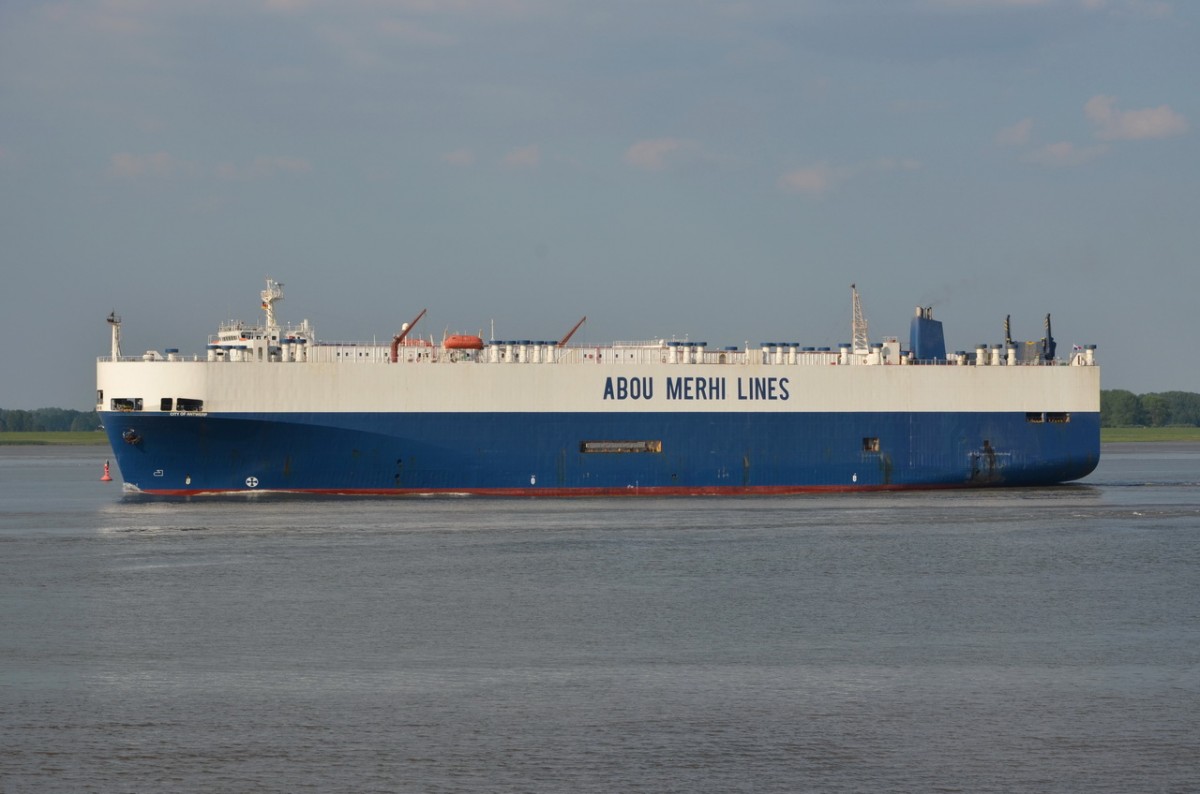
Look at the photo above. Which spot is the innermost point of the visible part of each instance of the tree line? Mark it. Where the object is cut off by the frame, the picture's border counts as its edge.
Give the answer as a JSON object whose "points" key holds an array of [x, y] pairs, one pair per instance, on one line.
{"points": [[42, 420], [1118, 408]]}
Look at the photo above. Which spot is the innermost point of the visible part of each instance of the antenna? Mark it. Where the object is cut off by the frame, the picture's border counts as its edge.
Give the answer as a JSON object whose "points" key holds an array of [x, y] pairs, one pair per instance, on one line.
{"points": [[114, 320], [859, 324]]}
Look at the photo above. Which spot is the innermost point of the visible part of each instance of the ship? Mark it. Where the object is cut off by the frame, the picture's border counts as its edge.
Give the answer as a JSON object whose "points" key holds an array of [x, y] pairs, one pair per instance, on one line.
{"points": [[270, 408]]}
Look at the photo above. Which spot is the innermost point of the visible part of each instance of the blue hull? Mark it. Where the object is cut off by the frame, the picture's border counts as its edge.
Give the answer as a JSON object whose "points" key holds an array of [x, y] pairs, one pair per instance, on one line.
{"points": [[601, 453]]}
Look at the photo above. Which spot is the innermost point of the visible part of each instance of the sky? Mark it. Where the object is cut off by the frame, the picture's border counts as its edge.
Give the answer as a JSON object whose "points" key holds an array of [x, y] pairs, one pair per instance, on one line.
{"points": [[719, 170]]}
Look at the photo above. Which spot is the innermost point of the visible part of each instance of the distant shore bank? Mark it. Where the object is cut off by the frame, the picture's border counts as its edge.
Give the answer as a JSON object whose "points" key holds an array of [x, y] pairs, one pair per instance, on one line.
{"points": [[1117, 435]]}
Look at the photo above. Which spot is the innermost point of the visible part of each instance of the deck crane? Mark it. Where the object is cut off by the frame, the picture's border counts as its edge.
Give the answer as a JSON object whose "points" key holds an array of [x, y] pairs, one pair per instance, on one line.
{"points": [[859, 324]]}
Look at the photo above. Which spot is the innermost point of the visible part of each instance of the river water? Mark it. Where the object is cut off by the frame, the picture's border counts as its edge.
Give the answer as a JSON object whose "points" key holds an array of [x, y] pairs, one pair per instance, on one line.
{"points": [[975, 641]]}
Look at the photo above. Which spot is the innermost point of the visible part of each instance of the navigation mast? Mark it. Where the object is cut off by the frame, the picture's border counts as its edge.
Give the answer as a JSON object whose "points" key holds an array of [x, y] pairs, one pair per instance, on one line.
{"points": [[114, 320], [270, 296]]}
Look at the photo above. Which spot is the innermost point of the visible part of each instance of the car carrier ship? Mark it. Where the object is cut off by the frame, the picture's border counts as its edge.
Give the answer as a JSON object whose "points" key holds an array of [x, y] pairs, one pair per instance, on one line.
{"points": [[269, 408]]}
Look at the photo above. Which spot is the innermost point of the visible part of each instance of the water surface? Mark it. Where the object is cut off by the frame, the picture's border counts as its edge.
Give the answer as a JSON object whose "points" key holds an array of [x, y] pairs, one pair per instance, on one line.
{"points": [[1024, 640]]}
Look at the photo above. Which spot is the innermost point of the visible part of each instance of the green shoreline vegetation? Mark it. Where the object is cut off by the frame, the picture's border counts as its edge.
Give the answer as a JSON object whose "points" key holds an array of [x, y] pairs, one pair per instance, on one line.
{"points": [[1124, 417], [60, 438]]}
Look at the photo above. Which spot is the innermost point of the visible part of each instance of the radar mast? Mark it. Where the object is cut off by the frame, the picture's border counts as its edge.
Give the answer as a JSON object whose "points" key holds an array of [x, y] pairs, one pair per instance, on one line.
{"points": [[270, 296]]}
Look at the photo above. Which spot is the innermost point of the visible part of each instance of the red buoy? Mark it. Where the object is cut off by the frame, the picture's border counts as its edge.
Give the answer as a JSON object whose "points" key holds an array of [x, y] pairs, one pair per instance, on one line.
{"points": [[106, 477]]}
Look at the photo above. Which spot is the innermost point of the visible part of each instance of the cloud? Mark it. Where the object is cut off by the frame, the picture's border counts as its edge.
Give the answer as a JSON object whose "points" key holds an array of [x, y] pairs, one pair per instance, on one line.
{"points": [[1132, 125], [1064, 154], [990, 3], [525, 157], [262, 167], [1016, 135], [813, 180], [459, 157], [108, 19], [288, 6], [427, 8], [412, 33], [656, 154], [159, 164], [164, 165], [821, 178], [1150, 9], [891, 164]]}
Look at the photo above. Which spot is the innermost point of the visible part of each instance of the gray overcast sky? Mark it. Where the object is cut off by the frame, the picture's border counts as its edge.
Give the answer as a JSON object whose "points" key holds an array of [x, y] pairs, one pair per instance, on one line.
{"points": [[721, 170]]}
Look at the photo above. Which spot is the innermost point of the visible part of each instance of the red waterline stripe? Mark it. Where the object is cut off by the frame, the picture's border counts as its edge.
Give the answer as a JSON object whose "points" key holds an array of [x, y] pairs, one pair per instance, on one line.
{"points": [[724, 490]]}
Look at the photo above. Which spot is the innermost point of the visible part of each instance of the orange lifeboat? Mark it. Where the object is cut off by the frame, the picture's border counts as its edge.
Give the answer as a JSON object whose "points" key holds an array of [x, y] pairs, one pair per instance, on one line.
{"points": [[463, 342]]}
